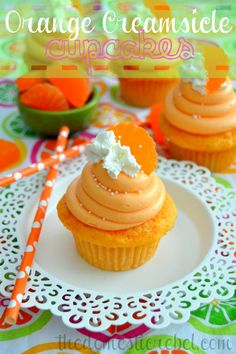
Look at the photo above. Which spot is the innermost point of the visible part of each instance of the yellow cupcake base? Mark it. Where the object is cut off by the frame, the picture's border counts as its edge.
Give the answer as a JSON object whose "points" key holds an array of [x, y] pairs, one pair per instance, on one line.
{"points": [[215, 161], [115, 259], [145, 92], [119, 250]]}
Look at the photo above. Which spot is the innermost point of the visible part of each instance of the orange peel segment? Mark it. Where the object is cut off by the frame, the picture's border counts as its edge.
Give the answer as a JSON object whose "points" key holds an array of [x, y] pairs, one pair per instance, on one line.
{"points": [[141, 145]]}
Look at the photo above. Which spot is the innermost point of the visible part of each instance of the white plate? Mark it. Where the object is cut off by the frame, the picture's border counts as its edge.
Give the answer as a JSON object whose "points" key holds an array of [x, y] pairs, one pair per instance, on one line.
{"points": [[57, 254], [193, 262]]}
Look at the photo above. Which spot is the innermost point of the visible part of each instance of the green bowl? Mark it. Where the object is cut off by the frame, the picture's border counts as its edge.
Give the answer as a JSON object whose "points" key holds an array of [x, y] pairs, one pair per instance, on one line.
{"points": [[49, 123]]}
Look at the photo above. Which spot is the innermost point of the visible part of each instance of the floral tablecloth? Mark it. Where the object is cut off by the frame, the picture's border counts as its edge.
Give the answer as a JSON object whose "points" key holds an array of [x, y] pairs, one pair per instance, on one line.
{"points": [[210, 329]]}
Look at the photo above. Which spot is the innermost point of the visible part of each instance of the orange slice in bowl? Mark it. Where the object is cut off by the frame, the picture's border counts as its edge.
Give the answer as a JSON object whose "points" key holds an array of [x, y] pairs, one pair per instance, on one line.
{"points": [[76, 90], [141, 145], [25, 82], [45, 97]]}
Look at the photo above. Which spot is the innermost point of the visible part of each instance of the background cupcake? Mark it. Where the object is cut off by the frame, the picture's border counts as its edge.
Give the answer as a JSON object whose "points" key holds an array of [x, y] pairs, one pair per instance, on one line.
{"points": [[147, 85], [35, 43], [118, 209], [200, 125]]}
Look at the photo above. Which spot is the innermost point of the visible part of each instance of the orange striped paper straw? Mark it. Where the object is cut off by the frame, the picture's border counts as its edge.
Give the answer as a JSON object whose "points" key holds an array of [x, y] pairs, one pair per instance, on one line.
{"points": [[12, 311], [42, 165]]}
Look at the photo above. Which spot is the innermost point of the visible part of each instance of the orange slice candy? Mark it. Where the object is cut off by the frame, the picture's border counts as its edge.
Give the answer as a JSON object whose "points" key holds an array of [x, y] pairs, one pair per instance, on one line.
{"points": [[214, 84], [25, 82], [75, 90], [141, 145], [154, 120], [45, 97], [9, 154], [217, 66]]}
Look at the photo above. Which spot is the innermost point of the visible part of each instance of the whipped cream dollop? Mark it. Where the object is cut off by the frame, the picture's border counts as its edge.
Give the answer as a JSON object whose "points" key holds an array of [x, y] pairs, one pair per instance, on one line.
{"points": [[115, 158], [193, 71]]}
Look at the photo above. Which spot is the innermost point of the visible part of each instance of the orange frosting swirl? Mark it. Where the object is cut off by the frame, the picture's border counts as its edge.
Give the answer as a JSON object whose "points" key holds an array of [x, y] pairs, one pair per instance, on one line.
{"points": [[195, 113], [99, 201]]}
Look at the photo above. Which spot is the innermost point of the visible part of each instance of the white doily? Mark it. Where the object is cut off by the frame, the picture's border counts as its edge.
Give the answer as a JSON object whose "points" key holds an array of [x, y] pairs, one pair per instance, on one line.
{"points": [[98, 311]]}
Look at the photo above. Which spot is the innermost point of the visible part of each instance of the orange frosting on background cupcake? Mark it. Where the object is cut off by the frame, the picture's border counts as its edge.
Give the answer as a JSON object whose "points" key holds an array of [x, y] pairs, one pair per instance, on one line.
{"points": [[201, 127], [200, 122], [195, 113]]}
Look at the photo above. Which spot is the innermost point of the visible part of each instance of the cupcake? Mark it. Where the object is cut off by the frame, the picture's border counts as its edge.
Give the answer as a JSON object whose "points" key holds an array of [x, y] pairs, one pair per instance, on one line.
{"points": [[147, 85], [118, 208], [36, 43], [143, 92], [200, 125]]}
